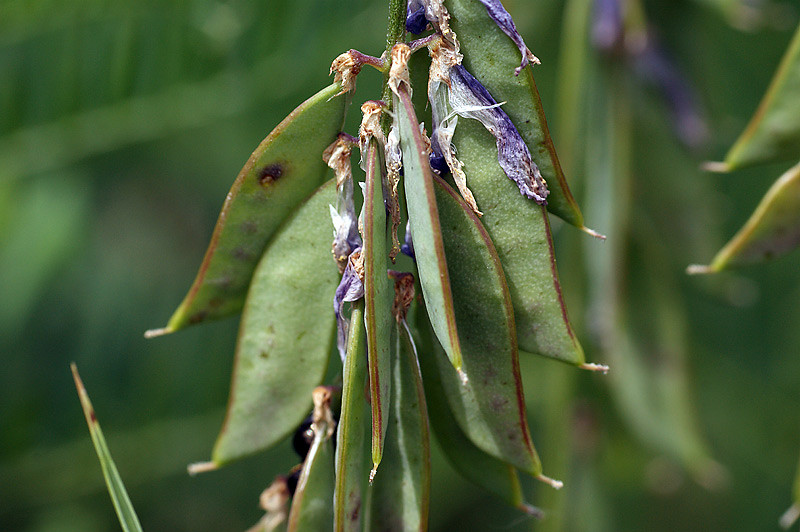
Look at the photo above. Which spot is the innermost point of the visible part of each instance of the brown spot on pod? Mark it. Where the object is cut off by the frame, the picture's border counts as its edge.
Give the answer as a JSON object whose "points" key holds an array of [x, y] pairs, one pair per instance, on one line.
{"points": [[270, 173]]}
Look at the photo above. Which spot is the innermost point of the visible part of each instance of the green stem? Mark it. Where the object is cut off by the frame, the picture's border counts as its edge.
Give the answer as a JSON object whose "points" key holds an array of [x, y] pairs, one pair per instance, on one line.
{"points": [[395, 33]]}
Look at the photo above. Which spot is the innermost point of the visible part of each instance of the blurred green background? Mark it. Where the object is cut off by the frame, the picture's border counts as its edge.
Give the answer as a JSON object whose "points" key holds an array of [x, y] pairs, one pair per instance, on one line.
{"points": [[122, 125]]}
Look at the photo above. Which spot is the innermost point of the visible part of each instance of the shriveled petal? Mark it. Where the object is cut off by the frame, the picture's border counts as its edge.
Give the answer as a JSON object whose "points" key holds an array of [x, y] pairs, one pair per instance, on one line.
{"points": [[343, 216], [351, 288], [469, 99], [503, 19]]}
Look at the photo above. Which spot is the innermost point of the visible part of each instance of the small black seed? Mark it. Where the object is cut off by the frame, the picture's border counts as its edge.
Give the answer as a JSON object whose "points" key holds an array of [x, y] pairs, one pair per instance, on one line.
{"points": [[303, 437]]}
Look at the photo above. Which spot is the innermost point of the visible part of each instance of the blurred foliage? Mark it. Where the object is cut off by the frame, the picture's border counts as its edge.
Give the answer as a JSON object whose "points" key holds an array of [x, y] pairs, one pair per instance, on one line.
{"points": [[122, 126]]}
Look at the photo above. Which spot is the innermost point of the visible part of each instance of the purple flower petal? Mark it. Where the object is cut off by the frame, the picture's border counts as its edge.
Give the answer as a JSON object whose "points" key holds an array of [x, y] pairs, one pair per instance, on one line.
{"points": [[415, 17], [351, 288], [503, 19], [470, 99]]}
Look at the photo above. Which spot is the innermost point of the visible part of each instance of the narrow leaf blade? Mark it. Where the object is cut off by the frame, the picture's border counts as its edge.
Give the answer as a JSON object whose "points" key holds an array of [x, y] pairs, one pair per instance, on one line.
{"points": [[116, 489]]}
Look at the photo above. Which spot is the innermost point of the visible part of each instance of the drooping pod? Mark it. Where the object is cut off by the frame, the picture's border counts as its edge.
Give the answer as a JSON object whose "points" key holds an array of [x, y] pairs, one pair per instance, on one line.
{"points": [[286, 333], [352, 456], [773, 133], [282, 172], [493, 58]]}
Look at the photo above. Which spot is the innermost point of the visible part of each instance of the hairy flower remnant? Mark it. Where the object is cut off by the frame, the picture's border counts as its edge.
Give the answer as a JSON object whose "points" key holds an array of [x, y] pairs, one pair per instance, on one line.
{"points": [[346, 67], [399, 72], [470, 99], [504, 21], [351, 288], [370, 124], [345, 225]]}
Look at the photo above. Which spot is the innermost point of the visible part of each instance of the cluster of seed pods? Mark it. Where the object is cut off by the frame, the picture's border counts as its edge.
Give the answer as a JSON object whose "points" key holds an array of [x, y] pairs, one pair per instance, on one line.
{"points": [[427, 338]]}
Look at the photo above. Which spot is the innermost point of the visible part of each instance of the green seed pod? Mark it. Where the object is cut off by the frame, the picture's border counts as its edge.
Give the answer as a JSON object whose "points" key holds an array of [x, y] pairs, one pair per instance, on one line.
{"points": [[426, 231], [773, 133], [484, 470], [351, 435], [286, 333], [489, 404], [400, 494], [378, 297], [520, 231], [492, 57], [281, 173], [772, 230], [312, 505]]}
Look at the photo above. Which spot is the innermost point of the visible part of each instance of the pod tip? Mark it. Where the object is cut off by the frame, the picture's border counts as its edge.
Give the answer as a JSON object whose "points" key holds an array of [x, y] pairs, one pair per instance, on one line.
{"points": [[201, 467], [531, 510], [699, 269], [462, 376], [557, 484], [372, 473], [152, 333], [592, 232], [599, 368], [790, 516], [716, 167]]}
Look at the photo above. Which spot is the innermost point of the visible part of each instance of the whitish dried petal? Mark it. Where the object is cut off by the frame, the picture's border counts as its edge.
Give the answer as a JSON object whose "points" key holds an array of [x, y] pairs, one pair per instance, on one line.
{"points": [[343, 216], [503, 19], [394, 161]]}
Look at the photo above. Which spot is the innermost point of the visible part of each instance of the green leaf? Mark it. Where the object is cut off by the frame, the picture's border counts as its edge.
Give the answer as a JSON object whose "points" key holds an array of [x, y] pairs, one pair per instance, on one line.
{"points": [[399, 496], [481, 469], [312, 505], [351, 436], [520, 231], [773, 133], [286, 333], [119, 496], [283, 171], [772, 230], [378, 297], [426, 232], [491, 56], [489, 404]]}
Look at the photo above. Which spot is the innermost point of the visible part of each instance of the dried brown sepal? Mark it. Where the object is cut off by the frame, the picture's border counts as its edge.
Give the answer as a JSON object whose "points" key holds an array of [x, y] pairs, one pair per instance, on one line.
{"points": [[275, 502], [371, 111], [346, 68], [403, 294], [322, 415], [337, 157]]}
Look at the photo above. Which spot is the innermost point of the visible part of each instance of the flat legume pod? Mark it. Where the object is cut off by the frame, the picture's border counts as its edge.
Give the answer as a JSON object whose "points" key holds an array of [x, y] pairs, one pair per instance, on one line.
{"points": [[481, 469], [423, 215], [286, 333], [491, 56], [488, 405], [399, 497], [520, 231], [281, 173], [378, 297], [773, 133], [352, 458], [772, 230]]}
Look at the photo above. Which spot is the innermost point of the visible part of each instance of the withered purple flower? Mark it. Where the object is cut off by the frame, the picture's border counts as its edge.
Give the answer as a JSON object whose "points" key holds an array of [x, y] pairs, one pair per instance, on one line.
{"points": [[470, 99], [504, 21], [415, 17], [408, 245], [351, 288]]}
